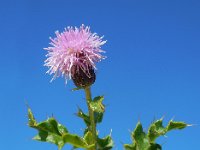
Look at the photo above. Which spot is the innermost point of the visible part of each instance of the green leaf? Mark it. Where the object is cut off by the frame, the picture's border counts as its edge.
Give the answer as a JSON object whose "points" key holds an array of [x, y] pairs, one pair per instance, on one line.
{"points": [[31, 118], [75, 140], [146, 141], [62, 129], [154, 147], [105, 143], [88, 137], [130, 147], [175, 125], [50, 137], [53, 132], [156, 129], [140, 137], [50, 131], [84, 116], [89, 140], [98, 117], [77, 88], [97, 105]]}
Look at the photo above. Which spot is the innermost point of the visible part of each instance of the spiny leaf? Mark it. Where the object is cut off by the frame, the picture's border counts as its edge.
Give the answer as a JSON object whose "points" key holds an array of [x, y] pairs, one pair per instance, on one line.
{"points": [[97, 105], [62, 129], [51, 125], [138, 133], [105, 143], [140, 137], [50, 137], [146, 141], [98, 116], [130, 147], [175, 125], [154, 147], [84, 116], [75, 140], [52, 131], [156, 129], [89, 139], [31, 118]]}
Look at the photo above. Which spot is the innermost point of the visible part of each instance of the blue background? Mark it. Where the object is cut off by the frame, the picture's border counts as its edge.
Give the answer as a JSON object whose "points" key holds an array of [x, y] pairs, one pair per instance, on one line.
{"points": [[152, 69]]}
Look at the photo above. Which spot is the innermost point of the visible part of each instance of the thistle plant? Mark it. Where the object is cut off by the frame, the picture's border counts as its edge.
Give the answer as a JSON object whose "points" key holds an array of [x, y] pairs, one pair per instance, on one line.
{"points": [[73, 54]]}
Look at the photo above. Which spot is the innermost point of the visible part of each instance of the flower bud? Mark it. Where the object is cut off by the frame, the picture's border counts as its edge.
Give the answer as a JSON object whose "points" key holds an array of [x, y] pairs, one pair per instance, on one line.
{"points": [[83, 79]]}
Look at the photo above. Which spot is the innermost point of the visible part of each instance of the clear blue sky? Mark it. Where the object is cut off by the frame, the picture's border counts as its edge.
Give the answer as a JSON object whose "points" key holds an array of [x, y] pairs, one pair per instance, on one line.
{"points": [[152, 69]]}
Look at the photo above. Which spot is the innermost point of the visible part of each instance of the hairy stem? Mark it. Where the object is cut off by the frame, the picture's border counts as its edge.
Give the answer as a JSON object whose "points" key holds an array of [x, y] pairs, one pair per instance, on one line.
{"points": [[92, 127]]}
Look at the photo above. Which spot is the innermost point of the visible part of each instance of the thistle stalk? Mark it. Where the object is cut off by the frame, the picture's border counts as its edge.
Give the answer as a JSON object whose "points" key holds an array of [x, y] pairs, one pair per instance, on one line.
{"points": [[92, 127]]}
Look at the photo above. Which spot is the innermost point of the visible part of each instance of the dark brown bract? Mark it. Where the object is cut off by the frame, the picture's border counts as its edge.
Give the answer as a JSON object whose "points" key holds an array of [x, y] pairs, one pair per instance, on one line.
{"points": [[83, 79]]}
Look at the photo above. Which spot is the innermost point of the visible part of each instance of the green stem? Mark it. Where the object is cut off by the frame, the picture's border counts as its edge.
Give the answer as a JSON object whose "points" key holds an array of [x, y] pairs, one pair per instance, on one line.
{"points": [[91, 114]]}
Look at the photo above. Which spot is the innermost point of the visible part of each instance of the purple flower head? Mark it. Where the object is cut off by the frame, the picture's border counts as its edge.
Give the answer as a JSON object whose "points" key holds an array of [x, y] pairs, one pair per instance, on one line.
{"points": [[77, 47]]}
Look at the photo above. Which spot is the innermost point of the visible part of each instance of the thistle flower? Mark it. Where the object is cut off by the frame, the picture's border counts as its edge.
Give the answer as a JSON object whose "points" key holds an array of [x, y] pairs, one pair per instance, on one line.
{"points": [[73, 54]]}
